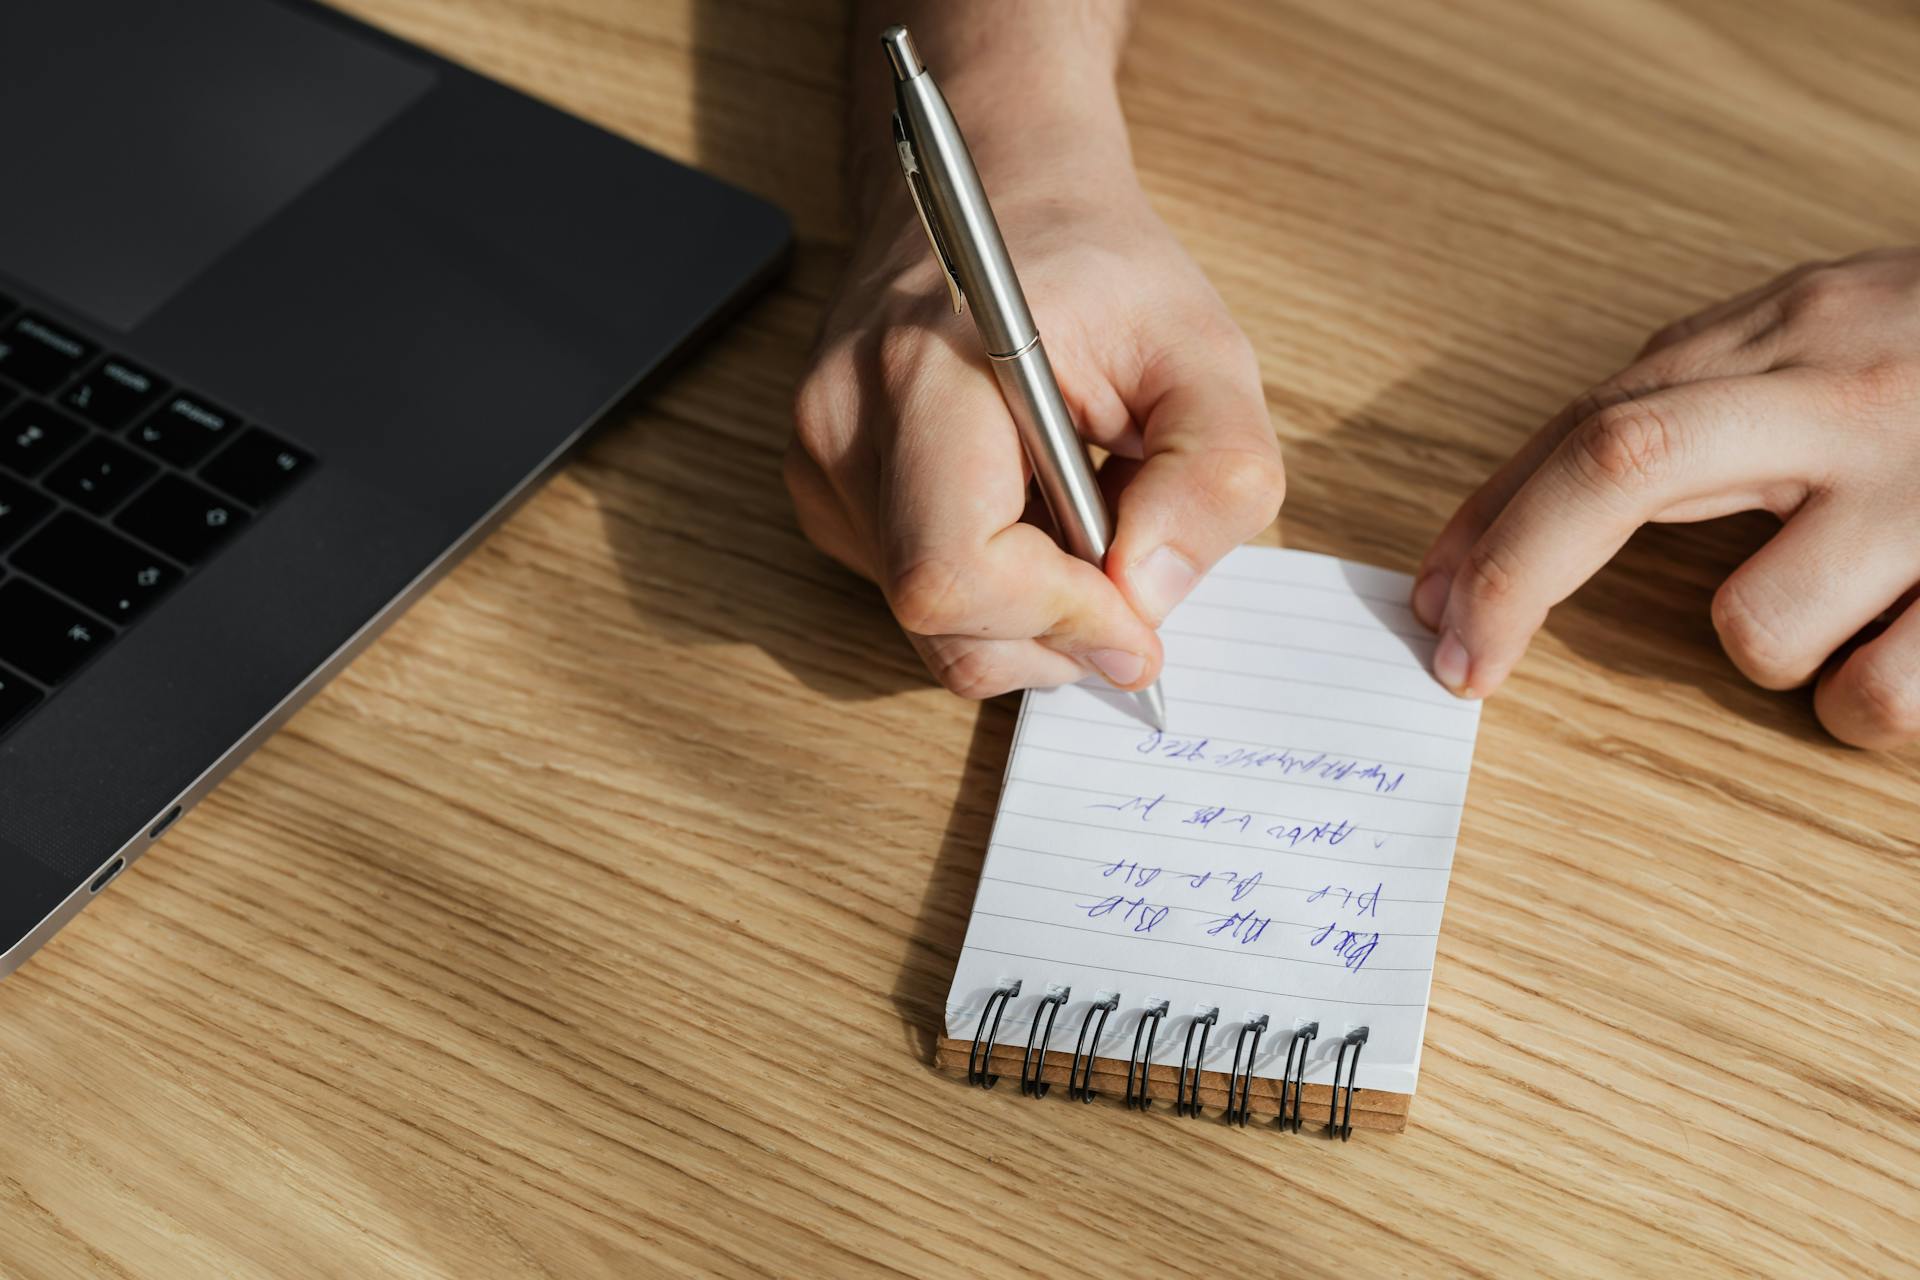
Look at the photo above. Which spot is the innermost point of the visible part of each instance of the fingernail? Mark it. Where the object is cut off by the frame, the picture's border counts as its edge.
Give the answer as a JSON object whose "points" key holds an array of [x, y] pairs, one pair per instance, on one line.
{"points": [[1162, 580], [1450, 663], [1118, 666], [1430, 596]]}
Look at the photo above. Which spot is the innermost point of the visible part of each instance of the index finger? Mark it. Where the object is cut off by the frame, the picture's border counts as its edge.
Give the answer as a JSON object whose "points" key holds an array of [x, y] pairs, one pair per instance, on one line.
{"points": [[1722, 351], [1705, 448]]}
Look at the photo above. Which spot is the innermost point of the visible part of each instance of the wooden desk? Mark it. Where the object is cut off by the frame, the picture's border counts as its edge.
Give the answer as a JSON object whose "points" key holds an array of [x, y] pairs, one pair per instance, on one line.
{"points": [[595, 923]]}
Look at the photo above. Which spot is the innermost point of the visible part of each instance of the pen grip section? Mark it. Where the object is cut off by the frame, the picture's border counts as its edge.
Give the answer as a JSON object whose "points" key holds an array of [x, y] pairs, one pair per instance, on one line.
{"points": [[1059, 457]]}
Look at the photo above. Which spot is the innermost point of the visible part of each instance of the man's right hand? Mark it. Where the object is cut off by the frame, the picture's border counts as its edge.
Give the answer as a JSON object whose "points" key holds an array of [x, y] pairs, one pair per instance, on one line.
{"points": [[907, 467]]}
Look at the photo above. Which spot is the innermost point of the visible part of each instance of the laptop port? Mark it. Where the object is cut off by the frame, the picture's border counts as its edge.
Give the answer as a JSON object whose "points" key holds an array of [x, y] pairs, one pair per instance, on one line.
{"points": [[164, 823], [114, 868]]}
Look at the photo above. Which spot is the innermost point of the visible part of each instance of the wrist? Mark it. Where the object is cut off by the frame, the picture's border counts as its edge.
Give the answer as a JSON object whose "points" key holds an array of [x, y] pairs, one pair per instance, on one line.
{"points": [[1057, 134]]}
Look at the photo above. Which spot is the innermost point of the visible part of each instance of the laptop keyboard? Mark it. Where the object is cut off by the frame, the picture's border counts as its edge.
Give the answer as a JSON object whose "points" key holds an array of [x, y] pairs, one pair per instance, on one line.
{"points": [[114, 486]]}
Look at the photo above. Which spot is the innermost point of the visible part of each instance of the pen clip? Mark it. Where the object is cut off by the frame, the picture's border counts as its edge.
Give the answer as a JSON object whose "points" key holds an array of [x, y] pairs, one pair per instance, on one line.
{"points": [[917, 188]]}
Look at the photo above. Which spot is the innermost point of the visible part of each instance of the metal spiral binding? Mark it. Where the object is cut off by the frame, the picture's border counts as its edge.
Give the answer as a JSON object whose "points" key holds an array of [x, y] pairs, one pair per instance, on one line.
{"points": [[1353, 1040], [1183, 1103], [1237, 1113], [1030, 1082], [977, 1062], [1078, 1088], [1294, 1078], [1246, 1051], [1150, 1023]]}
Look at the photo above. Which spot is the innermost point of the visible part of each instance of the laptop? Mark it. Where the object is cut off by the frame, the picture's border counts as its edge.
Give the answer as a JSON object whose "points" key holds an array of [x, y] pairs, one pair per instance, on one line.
{"points": [[291, 314]]}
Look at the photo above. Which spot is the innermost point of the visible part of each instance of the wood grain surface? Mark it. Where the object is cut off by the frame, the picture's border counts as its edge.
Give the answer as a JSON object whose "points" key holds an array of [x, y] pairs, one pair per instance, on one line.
{"points": [[597, 921]]}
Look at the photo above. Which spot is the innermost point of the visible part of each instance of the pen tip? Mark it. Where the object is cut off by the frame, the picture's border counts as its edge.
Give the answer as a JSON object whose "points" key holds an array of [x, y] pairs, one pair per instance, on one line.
{"points": [[1154, 703]]}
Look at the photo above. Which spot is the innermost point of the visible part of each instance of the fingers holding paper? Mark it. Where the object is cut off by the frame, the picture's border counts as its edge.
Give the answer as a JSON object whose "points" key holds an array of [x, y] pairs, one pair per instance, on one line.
{"points": [[1682, 453], [1801, 398]]}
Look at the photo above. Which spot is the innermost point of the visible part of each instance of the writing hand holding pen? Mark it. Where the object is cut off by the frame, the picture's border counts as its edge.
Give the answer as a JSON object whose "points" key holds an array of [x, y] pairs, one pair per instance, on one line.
{"points": [[907, 465]]}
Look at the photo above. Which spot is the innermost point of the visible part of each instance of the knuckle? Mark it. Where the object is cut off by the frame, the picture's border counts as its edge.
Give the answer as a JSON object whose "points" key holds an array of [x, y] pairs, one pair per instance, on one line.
{"points": [[815, 413], [811, 507], [1889, 697], [1888, 383], [1230, 339], [1475, 512], [928, 598], [1685, 359], [1488, 576], [1248, 487], [1626, 446], [1819, 295], [973, 671], [900, 349], [1667, 335], [1754, 636], [1597, 400]]}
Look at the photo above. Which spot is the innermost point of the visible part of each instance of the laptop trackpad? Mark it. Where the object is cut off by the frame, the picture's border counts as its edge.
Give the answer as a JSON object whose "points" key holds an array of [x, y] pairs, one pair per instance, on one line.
{"points": [[144, 139]]}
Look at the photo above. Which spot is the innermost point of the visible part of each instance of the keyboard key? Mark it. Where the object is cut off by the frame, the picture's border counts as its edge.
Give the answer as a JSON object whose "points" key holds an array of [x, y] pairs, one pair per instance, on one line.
{"points": [[181, 519], [102, 570], [44, 637], [184, 430], [17, 697], [114, 394], [100, 475], [32, 436], [256, 467], [40, 354], [20, 509]]}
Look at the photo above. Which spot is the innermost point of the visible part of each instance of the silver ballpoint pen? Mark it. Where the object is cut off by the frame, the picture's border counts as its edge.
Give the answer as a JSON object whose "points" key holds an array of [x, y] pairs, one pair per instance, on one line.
{"points": [[966, 239]]}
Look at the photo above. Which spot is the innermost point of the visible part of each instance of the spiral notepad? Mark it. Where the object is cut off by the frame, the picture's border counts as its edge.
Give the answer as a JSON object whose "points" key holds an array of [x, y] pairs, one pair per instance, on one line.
{"points": [[1238, 914]]}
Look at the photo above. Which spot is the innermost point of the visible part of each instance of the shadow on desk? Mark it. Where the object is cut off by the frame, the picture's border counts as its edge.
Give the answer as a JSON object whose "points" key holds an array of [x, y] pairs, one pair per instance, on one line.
{"points": [[920, 991], [767, 117], [760, 581]]}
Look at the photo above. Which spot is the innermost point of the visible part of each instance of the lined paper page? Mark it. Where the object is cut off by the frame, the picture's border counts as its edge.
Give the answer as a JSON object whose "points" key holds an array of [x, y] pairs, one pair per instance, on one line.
{"points": [[1283, 848]]}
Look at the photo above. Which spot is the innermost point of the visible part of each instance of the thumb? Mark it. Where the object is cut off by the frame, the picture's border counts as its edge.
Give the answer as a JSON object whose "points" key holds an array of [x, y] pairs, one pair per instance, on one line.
{"points": [[1209, 479]]}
